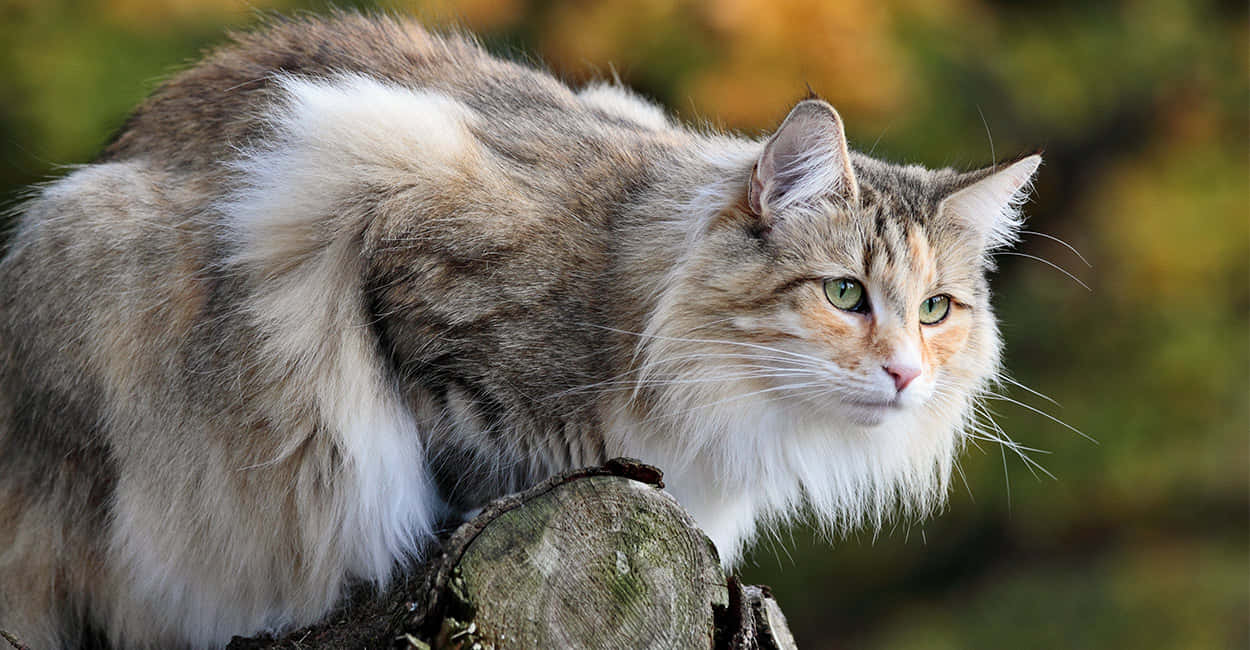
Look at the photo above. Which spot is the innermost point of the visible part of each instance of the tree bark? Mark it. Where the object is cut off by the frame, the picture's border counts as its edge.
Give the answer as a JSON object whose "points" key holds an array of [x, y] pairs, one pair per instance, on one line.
{"points": [[595, 558]]}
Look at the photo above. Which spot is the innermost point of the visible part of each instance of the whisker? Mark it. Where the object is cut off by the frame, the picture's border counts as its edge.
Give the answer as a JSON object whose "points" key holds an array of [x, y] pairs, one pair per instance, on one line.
{"points": [[1006, 478], [997, 435], [964, 479], [732, 399], [1050, 264], [1017, 384], [678, 339], [783, 365], [878, 140], [1061, 243], [764, 373], [1043, 414], [987, 134], [1032, 465]]}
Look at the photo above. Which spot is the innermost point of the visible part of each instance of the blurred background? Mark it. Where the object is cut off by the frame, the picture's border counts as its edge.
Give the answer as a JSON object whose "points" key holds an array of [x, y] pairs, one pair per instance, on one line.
{"points": [[1139, 540]]}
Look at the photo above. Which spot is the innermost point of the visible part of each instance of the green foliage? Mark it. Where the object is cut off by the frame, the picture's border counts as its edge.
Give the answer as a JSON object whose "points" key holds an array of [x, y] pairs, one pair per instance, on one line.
{"points": [[1141, 541]]}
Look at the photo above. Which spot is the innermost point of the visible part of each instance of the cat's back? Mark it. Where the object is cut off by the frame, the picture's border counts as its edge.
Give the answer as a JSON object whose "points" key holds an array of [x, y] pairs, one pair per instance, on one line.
{"points": [[236, 166], [208, 113], [200, 113]]}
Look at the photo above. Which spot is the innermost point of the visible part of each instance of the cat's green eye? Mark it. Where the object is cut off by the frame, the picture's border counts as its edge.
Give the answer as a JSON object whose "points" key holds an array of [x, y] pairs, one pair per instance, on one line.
{"points": [[934, 309], [847, 294]]}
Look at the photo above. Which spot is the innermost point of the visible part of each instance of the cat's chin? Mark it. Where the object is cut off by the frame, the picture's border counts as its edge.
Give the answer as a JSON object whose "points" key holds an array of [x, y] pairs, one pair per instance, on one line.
{"points": [[848, 415], [870, 414]]}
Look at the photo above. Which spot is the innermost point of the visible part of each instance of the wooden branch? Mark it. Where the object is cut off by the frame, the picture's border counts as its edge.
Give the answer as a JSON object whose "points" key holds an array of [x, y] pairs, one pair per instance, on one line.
{"points": [[596, 558], [13, 641]]}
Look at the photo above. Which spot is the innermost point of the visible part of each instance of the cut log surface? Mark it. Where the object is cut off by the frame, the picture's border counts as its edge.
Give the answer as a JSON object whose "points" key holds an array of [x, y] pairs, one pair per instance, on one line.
{"points": [[595, 558], [605, 561]]}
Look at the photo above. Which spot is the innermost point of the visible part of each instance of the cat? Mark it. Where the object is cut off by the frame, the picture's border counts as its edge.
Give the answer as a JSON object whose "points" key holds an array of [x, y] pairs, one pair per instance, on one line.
{"points": [[345, 280]]}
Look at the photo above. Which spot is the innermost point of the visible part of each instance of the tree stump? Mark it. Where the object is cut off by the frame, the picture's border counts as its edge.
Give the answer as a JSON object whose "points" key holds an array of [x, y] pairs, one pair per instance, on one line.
{"points": [[602, 561], [595, 558]]}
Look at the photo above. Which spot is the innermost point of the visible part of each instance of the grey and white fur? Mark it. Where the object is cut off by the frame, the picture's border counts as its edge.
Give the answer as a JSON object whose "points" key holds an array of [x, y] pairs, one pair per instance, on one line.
{"points": [[344, 280]]}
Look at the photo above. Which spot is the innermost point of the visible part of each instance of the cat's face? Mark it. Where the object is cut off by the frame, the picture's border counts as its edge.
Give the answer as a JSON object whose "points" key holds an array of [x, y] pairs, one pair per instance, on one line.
{"points": [[888, 309], [850, 314], [841, 289], [849, 290]]}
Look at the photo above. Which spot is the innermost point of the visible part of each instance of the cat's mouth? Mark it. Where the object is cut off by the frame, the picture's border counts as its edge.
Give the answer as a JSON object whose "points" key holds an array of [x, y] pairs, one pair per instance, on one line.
{"points": [[871, 412], [887, 404]]}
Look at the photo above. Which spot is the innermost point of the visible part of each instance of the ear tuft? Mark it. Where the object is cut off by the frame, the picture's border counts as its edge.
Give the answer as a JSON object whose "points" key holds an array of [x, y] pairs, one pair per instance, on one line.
{"points": [[989, 200], [805, 161]]}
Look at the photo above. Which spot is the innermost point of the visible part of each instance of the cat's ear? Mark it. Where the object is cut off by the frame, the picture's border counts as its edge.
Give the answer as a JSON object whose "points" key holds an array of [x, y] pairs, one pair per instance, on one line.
{"points": [[805, 160], [988, 201]]}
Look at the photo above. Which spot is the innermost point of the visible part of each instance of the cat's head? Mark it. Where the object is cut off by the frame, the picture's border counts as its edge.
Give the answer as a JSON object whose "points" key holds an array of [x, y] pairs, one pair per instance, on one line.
{"points": [[847, 298], [876, 269]]}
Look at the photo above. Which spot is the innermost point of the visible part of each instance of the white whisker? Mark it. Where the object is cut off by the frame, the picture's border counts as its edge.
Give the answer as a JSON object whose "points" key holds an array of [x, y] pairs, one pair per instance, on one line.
{"points": [[731, 399], [744, 344], [1017, 384], [1042, 413], [964, 479], [1050, 264], [1006, 477], [1061, 243]]}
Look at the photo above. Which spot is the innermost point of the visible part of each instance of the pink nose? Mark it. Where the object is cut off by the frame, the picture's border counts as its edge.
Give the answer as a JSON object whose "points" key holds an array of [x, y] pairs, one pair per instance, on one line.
{"points": [[902, 375]]}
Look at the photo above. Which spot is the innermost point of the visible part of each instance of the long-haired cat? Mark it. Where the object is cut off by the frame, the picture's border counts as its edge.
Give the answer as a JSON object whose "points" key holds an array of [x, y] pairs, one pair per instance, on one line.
{"points": [[344, 279]]}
